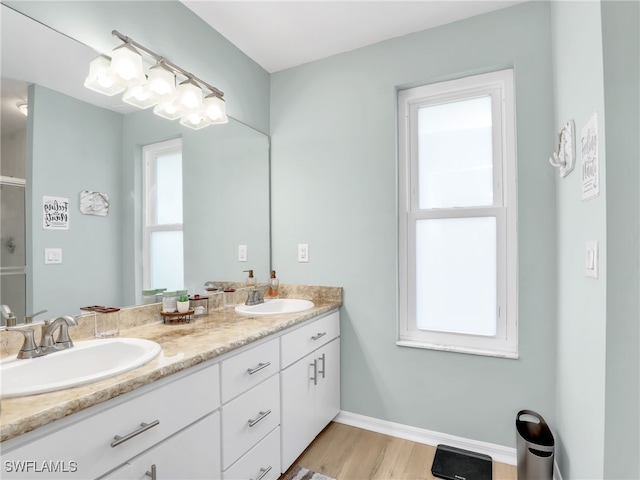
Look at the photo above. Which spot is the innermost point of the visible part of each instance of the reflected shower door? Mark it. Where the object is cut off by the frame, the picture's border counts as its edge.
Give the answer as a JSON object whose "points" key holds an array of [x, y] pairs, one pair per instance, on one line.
{"points": [[13, 246]]}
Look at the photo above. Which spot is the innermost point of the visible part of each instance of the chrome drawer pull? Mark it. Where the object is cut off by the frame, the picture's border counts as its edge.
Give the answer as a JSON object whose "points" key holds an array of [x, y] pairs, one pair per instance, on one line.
{"points": [[315, 372], [323, 363], [117, 439], [318, 335], [263, 472], [260, 366], [151, 473], [258, 418]]}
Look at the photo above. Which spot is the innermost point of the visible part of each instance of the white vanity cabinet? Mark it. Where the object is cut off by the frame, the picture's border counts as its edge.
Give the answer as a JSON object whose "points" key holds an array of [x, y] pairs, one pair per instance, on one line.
{"points": [[310, 383], [245, 415], [251, 413], [97, 440], [190, 454]]}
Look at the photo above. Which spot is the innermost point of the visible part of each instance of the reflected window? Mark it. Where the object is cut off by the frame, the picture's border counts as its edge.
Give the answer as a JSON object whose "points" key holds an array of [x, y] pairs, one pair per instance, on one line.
{"points": [[163, 253]]}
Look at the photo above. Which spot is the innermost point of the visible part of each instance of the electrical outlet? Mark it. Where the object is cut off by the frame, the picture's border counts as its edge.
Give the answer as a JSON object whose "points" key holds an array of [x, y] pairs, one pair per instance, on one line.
{"points": [[303, 252], [242, 253]]}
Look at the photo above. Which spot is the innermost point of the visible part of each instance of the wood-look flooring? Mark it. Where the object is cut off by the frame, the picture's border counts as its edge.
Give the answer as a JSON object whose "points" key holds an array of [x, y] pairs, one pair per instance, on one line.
{"points": [[349, 453]]}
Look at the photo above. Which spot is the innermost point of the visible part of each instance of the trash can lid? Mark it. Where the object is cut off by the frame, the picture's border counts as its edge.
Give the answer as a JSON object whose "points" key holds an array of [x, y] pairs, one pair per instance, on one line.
{"points": [[533, 431]]}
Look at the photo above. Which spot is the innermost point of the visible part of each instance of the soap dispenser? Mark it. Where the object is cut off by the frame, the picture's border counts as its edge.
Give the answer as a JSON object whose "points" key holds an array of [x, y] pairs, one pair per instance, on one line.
{"points": [[274, 283], [251, 281]]}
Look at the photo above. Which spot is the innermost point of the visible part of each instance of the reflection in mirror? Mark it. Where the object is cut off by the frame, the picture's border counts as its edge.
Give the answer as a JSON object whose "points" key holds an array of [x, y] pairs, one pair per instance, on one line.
{"points": [[74, 146]]}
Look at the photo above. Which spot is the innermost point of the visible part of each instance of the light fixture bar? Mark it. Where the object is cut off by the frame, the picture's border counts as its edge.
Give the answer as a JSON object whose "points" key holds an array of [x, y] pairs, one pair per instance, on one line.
{"points": [[163, 60]]}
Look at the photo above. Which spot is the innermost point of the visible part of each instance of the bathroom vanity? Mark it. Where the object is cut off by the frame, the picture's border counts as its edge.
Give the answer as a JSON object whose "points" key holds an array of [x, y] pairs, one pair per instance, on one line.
{"points": [[229, 397]]}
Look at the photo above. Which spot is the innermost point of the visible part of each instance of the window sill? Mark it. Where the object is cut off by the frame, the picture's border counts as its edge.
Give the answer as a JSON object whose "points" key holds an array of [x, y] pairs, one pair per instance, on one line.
{"points": [[457, 349]]}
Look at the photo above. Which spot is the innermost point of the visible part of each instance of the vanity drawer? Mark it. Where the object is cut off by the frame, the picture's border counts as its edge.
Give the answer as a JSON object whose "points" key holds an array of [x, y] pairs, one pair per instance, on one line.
{"points": [[249, 418], [86, 448], [247, 369], [308, 338], [263, 459]]}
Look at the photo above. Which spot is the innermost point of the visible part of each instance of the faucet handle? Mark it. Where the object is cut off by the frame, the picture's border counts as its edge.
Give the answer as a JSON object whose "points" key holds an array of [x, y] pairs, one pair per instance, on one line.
{"points": [[29, 348], [29, 318], [63, 340]]}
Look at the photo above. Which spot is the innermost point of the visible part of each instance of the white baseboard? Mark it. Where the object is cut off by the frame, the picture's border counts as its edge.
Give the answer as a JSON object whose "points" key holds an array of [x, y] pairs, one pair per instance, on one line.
{"points": [[498, 453], [420, 435]]}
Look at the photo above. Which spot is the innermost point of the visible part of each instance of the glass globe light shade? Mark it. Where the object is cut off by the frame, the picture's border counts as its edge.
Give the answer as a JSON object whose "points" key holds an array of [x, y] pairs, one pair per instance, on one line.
{"points": [[99, 79], [189, 96], [162, 82], [195, 120], [139, 96], [168, 109], [126, 66], [214, 109]]}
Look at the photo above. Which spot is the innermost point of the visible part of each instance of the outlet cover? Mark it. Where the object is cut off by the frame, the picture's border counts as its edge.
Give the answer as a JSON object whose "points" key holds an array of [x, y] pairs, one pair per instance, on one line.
{"points": [[242, 253], [52, 255], [591, 259], [303, 253]]}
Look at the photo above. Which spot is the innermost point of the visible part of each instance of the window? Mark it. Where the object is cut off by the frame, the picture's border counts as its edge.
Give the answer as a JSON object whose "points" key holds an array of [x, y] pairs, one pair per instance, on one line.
{"points": [[163, 264], [457, 216]]}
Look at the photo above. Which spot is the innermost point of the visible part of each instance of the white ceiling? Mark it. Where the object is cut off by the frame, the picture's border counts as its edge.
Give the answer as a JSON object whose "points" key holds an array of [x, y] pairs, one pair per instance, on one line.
{"points": [[282, 34]]}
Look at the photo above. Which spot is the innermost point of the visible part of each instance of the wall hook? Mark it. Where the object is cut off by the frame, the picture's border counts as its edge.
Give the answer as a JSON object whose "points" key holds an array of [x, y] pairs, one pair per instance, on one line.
{"points": [[564, 158]]}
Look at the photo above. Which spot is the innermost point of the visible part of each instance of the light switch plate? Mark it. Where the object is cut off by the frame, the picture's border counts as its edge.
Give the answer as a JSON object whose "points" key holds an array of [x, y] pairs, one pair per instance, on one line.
{"points": [[242, 253], [303, 253], [52, 255], [591, 259]]}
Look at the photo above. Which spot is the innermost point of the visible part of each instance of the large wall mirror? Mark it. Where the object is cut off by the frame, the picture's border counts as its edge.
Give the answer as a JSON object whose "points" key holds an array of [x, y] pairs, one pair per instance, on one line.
{"points": [[74, 140]]}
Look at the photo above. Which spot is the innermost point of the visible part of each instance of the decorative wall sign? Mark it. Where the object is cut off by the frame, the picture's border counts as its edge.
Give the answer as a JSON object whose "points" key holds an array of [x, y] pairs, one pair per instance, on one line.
{"points": [[55, 213], [565, 156], [94, 203], [590, 164]]}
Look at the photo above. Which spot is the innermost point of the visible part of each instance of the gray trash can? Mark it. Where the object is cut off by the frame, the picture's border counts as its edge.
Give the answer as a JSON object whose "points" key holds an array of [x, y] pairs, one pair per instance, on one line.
{"points": [[535, 447]]}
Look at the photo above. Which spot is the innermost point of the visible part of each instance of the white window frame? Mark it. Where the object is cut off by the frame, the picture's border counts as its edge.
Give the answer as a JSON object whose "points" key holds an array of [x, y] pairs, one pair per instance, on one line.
{"points": [[149, 153], [499, 85]]}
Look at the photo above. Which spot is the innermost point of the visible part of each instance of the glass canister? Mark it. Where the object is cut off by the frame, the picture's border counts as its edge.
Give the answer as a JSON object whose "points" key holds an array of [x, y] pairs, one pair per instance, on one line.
{"points": [[159, 292], [149, 297], [229, 298], [169, 302], [107, 322]]}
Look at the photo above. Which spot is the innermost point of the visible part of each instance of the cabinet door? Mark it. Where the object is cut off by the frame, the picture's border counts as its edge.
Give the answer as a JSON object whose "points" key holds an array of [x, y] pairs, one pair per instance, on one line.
{"points": [[328, 388], [298, 422], [193, 453]]}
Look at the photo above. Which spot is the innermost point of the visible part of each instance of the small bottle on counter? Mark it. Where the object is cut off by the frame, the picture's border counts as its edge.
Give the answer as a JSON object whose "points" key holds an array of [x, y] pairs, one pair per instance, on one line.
{"points": [[251, 280], [275, 284]]}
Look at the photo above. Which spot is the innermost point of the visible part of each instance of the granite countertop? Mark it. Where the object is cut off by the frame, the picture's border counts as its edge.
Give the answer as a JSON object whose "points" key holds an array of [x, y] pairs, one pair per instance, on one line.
{"points": [[183, 345]]}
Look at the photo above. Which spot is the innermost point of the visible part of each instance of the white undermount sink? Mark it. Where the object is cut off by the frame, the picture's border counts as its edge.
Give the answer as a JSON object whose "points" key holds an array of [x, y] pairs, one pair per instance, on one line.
{"points": [[277, 306], [86, 362]]}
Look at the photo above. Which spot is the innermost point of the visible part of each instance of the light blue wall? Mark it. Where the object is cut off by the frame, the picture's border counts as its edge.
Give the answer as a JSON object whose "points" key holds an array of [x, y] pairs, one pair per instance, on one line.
{"points": [[621, 48], [76, 147], [172, 30], [580, 394], [334, 186]]}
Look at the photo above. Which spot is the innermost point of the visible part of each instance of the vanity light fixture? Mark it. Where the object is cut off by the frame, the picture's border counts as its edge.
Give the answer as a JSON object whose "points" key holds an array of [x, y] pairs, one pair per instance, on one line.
{"points": [[157, 87]]}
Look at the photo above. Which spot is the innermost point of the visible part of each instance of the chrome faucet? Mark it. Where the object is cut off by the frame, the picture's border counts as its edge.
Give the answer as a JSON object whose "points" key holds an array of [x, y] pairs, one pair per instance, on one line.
{"points": [[47, 345], [255, 296], [63, 341]]}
